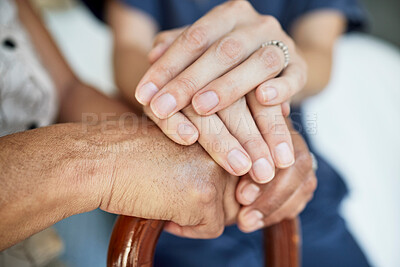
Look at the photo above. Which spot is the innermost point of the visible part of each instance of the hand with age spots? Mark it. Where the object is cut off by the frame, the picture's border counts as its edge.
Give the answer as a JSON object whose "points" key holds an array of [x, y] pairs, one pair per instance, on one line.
{"points": [[66, 169], [157, 179]]}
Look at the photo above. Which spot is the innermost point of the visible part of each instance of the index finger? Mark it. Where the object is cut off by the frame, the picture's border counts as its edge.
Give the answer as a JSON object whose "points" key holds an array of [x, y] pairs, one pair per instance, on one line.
{"points": [[189, 46]]}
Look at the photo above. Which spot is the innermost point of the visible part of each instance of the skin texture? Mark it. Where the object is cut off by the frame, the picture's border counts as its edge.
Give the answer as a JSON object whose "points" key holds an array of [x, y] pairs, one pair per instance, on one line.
{"points": [[284, 197], [43, 180], [188, 62], [126, 166], [222, 53], [65, 169], [312, 42], [174, 183]]}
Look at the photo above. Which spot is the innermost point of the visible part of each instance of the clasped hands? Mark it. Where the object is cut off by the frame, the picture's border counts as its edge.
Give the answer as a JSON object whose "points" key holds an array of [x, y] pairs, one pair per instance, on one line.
{"points": [[212, 82]]}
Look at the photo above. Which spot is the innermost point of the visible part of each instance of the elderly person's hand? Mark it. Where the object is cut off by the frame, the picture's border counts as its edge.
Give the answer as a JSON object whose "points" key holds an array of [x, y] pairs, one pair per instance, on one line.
{"points": [[152, 177], [283, 198], [213, 64], [126, 168]]}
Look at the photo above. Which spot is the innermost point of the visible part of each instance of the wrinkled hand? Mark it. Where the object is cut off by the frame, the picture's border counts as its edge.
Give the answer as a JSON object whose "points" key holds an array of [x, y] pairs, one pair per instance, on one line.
{"points": [[212, 65], [157, 179], [283, 198]]}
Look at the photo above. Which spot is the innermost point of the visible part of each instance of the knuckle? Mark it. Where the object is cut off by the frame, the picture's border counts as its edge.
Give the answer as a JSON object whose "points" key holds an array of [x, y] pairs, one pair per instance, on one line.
{"points": [[181, 219], [272, 204], [276, 128], [216, 231], [229, 50], [195, 38], [271, 60], [185, 215], [187, 85], [184, 218], [270, 21], [289, 43], [167, 71], [238, 5], [311, 184], [203, 196], [204, 193]]}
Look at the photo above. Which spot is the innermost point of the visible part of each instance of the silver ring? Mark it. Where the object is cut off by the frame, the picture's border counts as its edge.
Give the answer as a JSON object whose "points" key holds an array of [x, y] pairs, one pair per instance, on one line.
{"points": [[283, 47]]}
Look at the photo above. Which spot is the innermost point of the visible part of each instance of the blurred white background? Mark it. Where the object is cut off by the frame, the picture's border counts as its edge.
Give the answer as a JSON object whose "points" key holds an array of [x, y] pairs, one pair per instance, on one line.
{"points": [[357, 121]]}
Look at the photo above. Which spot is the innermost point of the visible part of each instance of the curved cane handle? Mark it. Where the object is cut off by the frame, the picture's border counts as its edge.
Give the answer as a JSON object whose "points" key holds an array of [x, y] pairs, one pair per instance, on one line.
{"points": [[134, 240]]}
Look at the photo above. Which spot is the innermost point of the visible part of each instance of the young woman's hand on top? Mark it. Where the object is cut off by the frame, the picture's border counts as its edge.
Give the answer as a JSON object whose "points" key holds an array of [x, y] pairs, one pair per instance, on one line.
{"points": [[214, 82]]}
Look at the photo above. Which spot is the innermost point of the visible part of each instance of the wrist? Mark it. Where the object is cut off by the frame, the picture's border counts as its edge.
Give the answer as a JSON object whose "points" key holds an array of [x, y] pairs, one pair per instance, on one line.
{"points": [[110, 152], [88, 168], [45, 177], [73, 169], [72, 166]]}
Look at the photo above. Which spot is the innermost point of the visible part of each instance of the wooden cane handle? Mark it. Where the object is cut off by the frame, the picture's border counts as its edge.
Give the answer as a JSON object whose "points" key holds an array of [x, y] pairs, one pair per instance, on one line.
{"points": [[134, 240], [282, 243]]}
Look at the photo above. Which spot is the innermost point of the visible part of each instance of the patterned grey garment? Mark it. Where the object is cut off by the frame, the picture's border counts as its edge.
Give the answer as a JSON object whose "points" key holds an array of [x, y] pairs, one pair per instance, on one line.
{"points": [[27, 94], [27, 100]]}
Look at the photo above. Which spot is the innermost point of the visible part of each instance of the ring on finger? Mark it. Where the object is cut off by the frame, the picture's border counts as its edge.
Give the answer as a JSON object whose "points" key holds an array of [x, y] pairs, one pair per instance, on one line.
{"points": [[281, 46]]}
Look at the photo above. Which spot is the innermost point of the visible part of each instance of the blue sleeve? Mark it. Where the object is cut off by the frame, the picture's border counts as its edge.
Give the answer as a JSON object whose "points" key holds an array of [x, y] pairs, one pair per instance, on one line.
{"points": [[351, 9]]}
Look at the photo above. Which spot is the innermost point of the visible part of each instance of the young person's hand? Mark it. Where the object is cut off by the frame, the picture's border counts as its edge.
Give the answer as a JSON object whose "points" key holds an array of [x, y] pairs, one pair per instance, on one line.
{"points": [[221, 55], [217, 61]]}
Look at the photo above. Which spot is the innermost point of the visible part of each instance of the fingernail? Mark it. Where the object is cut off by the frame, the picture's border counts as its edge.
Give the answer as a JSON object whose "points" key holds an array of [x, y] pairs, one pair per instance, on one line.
{"points": [[146, 93], [164, 105], [250, 193], [253, 220], [187, 132], [206, 102], [239, 162], [269, 93], [263, 170], [284, 155]]}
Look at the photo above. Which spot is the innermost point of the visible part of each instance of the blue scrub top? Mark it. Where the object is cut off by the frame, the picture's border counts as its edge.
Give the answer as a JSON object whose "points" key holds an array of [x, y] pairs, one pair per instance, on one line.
{"points": [[176, 13]]}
